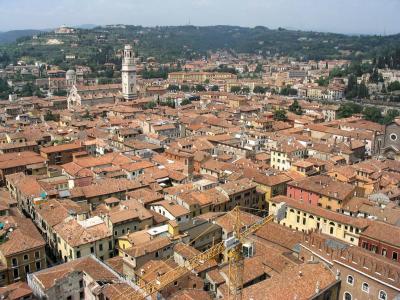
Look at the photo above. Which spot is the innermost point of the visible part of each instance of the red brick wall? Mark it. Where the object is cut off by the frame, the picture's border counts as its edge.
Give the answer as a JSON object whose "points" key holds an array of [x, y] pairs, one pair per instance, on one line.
{"points": [[369, 244], [299, 194]]}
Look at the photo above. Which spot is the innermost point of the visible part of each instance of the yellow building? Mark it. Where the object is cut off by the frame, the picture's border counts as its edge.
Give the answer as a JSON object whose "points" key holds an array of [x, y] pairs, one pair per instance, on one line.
{"points": [[304, 217], [199, 77], [285, 154], [22, 249], [81, 238]]}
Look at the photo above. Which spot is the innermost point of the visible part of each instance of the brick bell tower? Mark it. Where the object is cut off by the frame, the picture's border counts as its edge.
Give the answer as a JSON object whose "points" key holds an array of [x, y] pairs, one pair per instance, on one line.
{"points": [[128, 71]]}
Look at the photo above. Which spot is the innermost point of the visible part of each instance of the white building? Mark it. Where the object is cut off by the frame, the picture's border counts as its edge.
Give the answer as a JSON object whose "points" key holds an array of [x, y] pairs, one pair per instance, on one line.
{"points": [[128, 74]]}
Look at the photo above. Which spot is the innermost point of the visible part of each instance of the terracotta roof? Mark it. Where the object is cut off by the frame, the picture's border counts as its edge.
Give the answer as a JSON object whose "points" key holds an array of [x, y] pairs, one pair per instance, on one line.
{"points": [[61, 147], [15, 291], [322, 212], [75, 234], [172, 207], [148, 247], [295, 282], [22, 236], [88, 264], [383, 232], [325, 185]]}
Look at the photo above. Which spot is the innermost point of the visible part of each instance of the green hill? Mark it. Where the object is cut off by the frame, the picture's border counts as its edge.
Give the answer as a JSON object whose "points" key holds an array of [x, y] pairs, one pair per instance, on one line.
{"points": [[13, 35], [98, 45]]}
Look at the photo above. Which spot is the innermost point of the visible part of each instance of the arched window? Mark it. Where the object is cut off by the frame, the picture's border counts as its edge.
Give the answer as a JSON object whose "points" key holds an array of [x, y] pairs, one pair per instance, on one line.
{"points": [[365, 287], [347, 296], [350, 280], [382, 295]]}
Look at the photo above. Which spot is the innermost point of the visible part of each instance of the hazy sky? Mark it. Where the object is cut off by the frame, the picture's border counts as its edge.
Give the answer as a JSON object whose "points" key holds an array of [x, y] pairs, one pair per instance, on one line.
{"points": [[347, 16]]}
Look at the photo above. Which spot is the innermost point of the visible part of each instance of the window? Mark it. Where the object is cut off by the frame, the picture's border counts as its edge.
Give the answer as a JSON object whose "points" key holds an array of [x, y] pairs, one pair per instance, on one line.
{"points": [[14, 262], [394, 255], [110, 245], [347, 296], [365, 287], [81, 283], [16, 273], [350, 280], [78, 254], [82, 295], [382, 295], [101, 247], [38, 266], [393, 137], [26, 257], [91, 250], [27, 269], [37, 254]]}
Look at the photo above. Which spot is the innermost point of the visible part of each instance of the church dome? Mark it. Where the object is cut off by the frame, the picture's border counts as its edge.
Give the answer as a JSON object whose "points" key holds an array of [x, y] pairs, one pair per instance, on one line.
{"points": [[70, 73]]}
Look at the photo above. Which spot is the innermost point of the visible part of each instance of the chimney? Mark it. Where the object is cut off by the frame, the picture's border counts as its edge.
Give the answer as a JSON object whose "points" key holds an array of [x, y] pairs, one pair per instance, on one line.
{"points": [[317, 289], [337, 274]]}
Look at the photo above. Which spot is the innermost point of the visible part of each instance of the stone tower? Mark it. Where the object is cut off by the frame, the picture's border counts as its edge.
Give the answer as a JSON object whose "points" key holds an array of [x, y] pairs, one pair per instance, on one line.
{"points": [[128, 74]]}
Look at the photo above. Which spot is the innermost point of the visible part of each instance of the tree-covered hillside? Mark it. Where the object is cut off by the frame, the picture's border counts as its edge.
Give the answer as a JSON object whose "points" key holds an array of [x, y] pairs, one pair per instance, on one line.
{"points": [[172, 42]]}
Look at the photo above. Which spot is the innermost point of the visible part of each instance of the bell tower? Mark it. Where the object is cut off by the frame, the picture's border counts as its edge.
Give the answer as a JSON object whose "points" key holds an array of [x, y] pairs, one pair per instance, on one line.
{"points": [[128, 74]]}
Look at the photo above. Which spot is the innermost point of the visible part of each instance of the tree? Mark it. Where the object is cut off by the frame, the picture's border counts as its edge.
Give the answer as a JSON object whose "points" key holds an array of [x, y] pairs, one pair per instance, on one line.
{"points": [[27, 90], [38, 92], [215, 88], [296, 108], [5, 90], [150, 105], [383, 90], [169, 102], [391, 114], [362, 90], [245, 90], [199, 88], [373, 114], [173, 87], [236, 89], [280, 115], [352, 87], [376, 76], [186, 102], [348, 109], [323, 81], [185, 88], [259, 90], [288, 91], [259, 68], [49, 116], [60, 93], [394, 86]]}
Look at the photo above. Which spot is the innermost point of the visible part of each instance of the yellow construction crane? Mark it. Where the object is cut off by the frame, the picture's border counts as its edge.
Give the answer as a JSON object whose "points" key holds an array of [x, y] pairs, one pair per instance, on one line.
{"points": [[233, 246]]}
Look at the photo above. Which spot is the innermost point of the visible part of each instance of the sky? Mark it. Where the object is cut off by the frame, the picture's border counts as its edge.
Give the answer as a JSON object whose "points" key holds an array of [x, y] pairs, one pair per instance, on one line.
{"points": [[342, 16]]}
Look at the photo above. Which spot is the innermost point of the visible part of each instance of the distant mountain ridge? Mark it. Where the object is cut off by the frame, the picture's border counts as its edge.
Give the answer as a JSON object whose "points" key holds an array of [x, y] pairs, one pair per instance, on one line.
{"points": [[12, 35]]}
